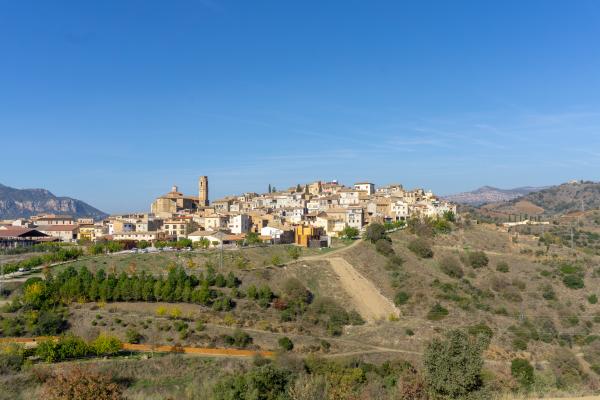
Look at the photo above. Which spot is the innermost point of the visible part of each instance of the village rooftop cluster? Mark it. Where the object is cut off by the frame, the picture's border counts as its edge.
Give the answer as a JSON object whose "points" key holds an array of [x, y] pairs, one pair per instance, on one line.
{"points": [[308, 215]]}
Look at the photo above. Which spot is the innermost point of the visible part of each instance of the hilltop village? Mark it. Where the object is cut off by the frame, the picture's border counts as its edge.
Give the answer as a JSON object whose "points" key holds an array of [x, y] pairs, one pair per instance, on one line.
{"points": [[308, 215]]}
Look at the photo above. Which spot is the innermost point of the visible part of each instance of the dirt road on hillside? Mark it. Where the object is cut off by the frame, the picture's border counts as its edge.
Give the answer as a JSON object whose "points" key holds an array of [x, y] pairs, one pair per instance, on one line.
{"points": [[367, 299]]}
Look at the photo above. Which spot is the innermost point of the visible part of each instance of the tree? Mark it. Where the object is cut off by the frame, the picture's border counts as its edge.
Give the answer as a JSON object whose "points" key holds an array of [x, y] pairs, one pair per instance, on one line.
{"points": [[105, 344], [350, 232], [375, 232], [270, 189], [253, 238], [453, 365]]}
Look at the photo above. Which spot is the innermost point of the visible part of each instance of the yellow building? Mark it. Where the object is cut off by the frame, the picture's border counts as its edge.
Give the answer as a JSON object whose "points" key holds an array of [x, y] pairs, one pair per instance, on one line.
{"points": [[303, 234]]}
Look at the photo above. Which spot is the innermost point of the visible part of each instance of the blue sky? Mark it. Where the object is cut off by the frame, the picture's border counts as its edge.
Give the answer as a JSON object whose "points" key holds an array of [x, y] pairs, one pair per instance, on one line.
{"points": [[114, 101]]}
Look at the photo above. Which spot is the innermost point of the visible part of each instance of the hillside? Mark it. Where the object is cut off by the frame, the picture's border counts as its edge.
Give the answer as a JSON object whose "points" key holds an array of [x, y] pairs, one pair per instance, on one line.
{"points": [[359, 305], [552, 201], [22, 203], [489, 194]]}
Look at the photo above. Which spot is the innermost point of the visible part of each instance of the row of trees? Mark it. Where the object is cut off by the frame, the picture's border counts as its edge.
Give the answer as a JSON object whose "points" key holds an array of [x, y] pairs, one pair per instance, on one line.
{"points": [[81, 285], [56, 254]]}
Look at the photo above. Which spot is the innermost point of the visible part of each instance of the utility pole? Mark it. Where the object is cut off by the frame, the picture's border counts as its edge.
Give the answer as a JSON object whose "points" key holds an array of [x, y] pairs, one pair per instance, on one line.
{"points": [[571, 237]]}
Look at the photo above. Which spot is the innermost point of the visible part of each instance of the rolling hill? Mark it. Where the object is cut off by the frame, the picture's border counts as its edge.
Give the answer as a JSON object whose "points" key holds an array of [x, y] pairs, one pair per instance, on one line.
{"points": [[22, 203], [555, 200], [489, 194]]}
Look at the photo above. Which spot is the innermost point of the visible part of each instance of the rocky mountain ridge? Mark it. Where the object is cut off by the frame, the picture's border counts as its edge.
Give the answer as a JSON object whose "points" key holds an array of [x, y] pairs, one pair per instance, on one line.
{"points": [[23, 203]]}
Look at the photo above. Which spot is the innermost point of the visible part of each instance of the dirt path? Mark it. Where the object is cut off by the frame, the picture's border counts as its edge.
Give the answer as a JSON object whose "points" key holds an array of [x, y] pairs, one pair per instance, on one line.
{"points": [[368, 300], [147, 348]]}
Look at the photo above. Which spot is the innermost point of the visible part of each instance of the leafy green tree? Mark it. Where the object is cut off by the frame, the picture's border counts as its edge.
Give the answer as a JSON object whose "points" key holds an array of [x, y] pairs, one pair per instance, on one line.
{"points": [[350, 232], [105, 344], [253, 238], [374, 232], [453, 365]]}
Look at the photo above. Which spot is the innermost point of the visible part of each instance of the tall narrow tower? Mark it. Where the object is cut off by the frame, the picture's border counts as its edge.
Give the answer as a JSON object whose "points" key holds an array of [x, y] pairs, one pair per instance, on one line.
{"points": [[203, 191]]}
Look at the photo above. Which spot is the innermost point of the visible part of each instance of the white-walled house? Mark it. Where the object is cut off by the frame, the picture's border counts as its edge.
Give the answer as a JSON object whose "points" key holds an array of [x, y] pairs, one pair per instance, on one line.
{"points": [[240, 223]]}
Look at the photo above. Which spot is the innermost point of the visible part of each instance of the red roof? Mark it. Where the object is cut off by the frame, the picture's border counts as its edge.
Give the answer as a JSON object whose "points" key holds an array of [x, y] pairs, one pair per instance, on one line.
{"points": [[17, 231]]}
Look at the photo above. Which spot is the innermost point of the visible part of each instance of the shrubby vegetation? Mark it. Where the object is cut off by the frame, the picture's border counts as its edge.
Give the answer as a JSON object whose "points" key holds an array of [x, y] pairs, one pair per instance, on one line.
{"points": [[70, 346], [451, 267], [477, 259], [421, 248], [454, 366]]}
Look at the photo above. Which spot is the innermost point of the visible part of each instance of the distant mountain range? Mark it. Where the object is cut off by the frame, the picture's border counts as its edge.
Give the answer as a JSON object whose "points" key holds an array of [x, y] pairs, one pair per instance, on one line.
{"points": [[23, 203], [489, 194]]}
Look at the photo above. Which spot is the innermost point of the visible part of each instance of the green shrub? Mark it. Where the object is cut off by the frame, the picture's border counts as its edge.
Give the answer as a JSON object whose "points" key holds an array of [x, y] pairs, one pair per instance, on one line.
{"points": [[522, 371], [478, 259], [454, 366], [421, 248], [573, 281], [401, 298], [266, 382], [437, 312], [592, 299], [375, 232], [502, 267], [133, 336], [285, 343], [480, 329], [519, 344], [451, 267]]}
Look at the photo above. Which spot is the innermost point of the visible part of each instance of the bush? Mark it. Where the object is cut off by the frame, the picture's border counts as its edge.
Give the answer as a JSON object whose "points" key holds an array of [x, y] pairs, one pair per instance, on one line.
{"points": [[437, 312], [573, 281], [592, 299], [566, 368], [478, 259], [375, 232], [411, 386], [285, 343], [522, 371], [12, 357], [266, 382], [81, 384], [294, 252], [480, 329], [105, 344], [401, 298], [502, 267], [133, 336], [453, 366], [384, 247], [421, 248], [451, 267]]}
